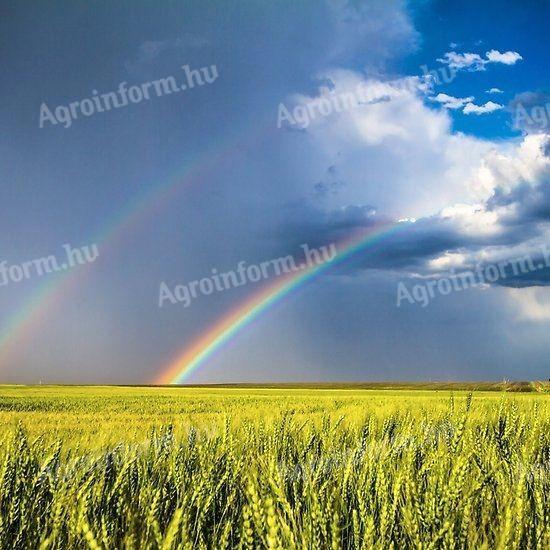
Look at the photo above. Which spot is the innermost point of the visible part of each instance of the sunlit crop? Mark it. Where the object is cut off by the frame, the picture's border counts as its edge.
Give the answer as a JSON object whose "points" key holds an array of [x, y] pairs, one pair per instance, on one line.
{"points": [[247, 468]]}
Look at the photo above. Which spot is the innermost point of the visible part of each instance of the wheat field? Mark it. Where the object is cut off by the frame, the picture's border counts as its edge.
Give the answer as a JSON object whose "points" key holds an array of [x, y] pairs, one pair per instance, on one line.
{"points": [[105, 467]]}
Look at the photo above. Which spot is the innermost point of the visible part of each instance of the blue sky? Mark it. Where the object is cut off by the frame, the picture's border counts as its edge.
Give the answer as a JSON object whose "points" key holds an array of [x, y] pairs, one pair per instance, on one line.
{"points": [[448, 155]]}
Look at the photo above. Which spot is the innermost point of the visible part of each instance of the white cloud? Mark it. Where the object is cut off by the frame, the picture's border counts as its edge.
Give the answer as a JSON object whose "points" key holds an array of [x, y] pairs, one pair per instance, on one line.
{"points": [[469, 61], [474, 62], [447, 261], [394, 154], [489, 107], [507, 58], [504, 168], [472, 219], [494, 91], [451, 102]]}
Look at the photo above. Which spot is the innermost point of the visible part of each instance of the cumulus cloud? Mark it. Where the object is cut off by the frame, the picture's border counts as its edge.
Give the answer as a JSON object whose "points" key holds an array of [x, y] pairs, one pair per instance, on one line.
{"points": [[512, 221], [507, 58], [471, 201], [494, 91], [489, 107], [463, 61], [375, 147], [474, 62], [450, 102]]}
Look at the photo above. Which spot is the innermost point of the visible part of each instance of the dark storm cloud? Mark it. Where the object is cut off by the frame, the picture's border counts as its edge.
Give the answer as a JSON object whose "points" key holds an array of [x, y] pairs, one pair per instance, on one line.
{"points": [[527, 204], [531, 204], [411, 246], [537, 277]]}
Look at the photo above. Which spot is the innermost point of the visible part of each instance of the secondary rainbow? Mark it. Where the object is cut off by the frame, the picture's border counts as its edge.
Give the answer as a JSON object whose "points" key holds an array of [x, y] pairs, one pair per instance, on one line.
{"points": [[41, 303], [229, 326]]}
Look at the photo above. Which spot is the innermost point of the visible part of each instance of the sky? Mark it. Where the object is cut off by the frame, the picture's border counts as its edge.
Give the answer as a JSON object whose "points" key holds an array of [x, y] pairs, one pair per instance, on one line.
{"points": [[308, 123]]}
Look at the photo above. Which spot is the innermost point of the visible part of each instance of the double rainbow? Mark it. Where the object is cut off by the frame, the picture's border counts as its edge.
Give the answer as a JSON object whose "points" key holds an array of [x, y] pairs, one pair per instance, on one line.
{"points": [[228, 327], [40, 305], [18, 328]]}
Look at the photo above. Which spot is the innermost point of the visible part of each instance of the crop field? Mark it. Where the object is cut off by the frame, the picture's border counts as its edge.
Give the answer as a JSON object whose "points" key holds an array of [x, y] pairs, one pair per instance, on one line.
{"points": [[121, 467]]}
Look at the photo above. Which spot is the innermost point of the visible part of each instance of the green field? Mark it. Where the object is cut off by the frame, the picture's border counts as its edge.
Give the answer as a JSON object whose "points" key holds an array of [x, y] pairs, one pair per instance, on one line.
{"points": [[282, 467]]}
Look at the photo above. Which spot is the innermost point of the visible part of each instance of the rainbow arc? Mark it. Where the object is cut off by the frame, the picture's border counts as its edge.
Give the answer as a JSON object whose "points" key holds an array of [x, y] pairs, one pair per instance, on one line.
{"points": [[212, 341]]}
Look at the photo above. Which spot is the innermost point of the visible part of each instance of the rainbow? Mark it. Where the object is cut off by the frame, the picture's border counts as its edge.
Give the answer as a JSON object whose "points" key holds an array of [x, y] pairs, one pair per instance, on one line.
{"points": [[41, 304], [229, 326]]}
